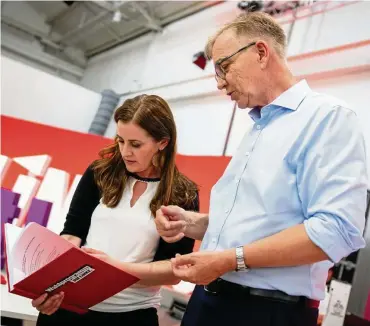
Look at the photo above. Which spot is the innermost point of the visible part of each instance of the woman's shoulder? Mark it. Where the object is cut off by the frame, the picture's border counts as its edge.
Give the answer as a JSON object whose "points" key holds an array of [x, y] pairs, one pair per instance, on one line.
{"points": [[87, 181], [89, 174]]}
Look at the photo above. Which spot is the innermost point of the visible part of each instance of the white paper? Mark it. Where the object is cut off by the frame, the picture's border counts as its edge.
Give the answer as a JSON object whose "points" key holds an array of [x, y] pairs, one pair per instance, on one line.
{"points": [[31, 248], [337, 307], [12, 233]]}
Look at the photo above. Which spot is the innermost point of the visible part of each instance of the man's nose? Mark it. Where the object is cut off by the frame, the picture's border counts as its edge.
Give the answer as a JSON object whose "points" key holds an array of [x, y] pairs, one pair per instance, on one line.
{"points": [[221, 83]]}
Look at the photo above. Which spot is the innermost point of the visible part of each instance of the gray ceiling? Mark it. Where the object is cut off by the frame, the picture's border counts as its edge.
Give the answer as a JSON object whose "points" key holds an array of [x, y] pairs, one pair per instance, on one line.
{"points": [[89, 25]]}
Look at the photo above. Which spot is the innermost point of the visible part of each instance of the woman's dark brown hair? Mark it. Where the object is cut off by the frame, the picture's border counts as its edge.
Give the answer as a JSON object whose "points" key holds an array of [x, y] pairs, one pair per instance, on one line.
{"points": [[151, 113]]}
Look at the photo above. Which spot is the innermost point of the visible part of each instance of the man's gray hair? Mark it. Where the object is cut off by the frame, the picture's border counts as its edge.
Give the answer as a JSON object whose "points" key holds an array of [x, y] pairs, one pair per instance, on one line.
{"points": [[253, 25]]}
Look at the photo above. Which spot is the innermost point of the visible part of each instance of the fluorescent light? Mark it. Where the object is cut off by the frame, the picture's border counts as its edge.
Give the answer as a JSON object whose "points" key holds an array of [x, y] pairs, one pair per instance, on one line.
{"points": [[117, 16]]}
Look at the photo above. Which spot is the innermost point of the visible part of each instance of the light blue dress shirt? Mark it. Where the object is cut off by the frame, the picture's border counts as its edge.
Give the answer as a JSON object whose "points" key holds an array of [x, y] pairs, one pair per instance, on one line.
{"points": [[303, 161]]}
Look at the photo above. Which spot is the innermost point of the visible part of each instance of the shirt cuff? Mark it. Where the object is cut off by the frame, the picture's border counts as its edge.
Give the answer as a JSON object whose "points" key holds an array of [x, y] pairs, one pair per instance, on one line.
{"points": [[336, 240]]}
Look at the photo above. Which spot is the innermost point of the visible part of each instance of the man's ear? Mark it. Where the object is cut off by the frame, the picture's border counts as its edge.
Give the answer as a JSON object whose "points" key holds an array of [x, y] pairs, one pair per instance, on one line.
{"points": [[263, 50]]}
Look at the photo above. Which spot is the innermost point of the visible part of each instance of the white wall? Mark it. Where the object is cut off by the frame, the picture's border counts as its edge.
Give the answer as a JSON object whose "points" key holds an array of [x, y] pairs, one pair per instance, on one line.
{"points": [[31, 94], [202, 121], [347, 22]]}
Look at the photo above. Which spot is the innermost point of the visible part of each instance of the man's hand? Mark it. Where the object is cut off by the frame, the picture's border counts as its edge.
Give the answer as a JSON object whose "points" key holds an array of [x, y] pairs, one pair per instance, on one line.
{"points": [[203, 267], [171, 222], [48, 305]]}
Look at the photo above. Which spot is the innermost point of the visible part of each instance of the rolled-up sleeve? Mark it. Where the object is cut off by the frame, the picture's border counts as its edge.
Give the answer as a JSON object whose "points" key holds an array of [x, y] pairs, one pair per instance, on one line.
{"points": [[332, 184]]}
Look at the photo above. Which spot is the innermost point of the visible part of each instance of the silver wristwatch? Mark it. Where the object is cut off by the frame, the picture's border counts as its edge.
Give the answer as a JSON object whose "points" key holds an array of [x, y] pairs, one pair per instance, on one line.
{"points": [[240, 263]]}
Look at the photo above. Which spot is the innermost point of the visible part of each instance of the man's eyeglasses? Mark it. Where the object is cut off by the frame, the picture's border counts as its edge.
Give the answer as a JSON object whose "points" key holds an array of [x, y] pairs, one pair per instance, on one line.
{"points": [[220, 72]]}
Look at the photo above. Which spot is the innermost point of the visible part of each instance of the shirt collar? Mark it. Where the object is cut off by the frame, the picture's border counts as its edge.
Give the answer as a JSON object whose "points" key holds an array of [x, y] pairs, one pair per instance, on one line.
{"points": [[290, 99]]}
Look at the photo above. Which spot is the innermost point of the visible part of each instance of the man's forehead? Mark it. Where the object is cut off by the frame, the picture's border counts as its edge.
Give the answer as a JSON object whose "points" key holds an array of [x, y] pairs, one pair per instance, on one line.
{"points": [[225, 44]]}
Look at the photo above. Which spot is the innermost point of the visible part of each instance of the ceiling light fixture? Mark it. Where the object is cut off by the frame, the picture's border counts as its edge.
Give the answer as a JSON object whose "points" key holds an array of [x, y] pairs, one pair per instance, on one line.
{"points": [[117, 16]]}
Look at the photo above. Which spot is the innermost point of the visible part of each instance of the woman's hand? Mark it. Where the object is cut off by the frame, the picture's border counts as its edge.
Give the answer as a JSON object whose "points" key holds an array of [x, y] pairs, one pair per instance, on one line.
{"points": [[48, 305], [100, 255]]}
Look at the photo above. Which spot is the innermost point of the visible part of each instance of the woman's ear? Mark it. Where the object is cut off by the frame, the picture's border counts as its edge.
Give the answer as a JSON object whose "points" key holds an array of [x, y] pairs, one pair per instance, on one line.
{"points": [[163, 144]]}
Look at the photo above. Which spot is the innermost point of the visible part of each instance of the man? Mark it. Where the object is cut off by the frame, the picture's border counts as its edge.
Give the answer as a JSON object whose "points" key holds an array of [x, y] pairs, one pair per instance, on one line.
{"points": [[290, 203]]}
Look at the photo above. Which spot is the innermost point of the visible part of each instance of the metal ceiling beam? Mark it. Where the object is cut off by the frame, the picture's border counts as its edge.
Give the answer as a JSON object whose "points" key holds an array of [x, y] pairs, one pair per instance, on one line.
{"points": [[108, 5], [94, 20], [105, 5], [87, 24], [20, 48], [193, 8], [111, 6], [153, 23], [104, 24], [39, 37], [21, 26], [112, 43], [60, 15]]}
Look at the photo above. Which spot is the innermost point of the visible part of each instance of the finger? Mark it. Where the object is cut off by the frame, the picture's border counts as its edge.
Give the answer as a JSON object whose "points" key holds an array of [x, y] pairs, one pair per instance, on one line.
{"points": [[99, 256], [174, 239], [50, 312], [48, 304], [182, 273], [161, 221], [91, 250], [181, 266], [55, 305], [184, 260], [174, 225], [174, 212], [170, 234], [165, 225], [38, 301]]}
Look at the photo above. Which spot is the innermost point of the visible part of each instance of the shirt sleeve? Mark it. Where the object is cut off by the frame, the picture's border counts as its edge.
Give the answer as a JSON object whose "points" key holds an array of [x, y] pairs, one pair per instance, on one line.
{"points": [[332, 184], [184, 246], [83, 204]]}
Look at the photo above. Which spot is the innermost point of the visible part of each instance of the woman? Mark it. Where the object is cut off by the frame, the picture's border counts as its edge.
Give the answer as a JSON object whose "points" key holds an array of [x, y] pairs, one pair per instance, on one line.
{"points": [[113, 211]]}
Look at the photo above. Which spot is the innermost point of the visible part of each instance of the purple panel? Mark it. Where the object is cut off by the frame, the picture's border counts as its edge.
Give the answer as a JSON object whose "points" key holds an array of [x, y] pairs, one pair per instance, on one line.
{"points": [[39, 212], [9, 205], [9, 211]]}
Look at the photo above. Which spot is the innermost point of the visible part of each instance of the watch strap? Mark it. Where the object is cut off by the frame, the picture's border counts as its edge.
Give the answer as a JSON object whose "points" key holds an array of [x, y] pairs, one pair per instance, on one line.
{"points": [[240, 262]]}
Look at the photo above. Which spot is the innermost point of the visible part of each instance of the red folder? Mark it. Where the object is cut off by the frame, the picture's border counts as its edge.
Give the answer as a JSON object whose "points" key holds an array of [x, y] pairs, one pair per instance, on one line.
{"points": [[40, 261]]}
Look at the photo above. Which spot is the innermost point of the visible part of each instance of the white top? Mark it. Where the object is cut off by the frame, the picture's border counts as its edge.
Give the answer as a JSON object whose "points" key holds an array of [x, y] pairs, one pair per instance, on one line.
{"points": [[128, 234]]}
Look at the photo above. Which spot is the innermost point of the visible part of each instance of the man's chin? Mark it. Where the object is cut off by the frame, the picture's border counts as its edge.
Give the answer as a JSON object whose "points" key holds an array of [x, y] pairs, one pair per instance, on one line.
{"points": [[242, 105]]}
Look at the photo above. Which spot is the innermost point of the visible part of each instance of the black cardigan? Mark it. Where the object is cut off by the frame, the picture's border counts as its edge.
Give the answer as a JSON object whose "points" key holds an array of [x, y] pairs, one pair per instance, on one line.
{"points": [[83, 204]]}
